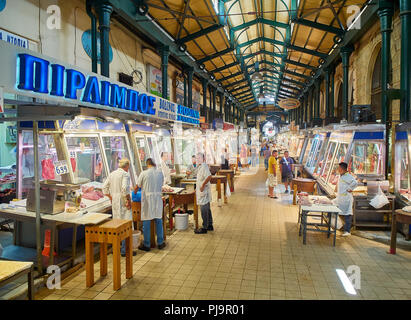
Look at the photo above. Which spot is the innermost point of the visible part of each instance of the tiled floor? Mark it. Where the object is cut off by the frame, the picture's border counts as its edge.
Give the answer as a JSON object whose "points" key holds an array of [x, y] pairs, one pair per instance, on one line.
{"points": [[254, 253]]}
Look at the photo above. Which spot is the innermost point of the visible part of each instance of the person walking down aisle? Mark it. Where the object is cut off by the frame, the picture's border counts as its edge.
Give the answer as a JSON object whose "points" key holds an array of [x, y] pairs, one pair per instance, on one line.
{"points": [[150, 181], [346, 184], [286, 170], [117, 188], [203, 194], [272, 174]]}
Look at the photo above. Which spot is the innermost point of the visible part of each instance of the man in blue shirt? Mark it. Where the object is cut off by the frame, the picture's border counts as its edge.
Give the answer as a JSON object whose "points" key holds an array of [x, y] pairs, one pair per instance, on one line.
{"points": [[286, 170]]}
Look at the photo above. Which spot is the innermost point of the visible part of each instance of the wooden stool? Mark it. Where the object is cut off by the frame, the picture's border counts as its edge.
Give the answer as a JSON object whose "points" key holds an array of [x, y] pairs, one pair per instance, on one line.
{"points": [[113, 231]]}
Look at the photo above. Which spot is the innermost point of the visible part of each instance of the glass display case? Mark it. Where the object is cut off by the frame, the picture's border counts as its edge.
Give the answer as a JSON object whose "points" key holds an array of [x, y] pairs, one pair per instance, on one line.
{"points": [[86, 159], [402, 166], [143, 151], [300, 147], [336, 152], [306, 151], [367, 157], [48, 157], [314, 154]]}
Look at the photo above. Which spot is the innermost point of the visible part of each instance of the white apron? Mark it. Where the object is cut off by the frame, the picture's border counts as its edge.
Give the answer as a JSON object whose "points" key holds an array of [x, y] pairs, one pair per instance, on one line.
{"points": [[150, 181], [118, 186], [345, 199]]}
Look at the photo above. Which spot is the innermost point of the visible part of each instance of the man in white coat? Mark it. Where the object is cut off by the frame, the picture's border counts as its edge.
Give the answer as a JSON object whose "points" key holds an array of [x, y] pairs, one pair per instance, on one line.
{"points": [[203, 194], [346, 184], [151, 181], [117, 188]]}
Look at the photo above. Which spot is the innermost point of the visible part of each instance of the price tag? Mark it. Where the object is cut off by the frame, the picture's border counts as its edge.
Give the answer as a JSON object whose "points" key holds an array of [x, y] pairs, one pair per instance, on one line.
{"points": [[60, 167]]}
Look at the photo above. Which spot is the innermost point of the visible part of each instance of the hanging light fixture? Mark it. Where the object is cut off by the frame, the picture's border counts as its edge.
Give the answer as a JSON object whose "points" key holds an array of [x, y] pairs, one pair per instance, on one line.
{"points": [[256, 76]]}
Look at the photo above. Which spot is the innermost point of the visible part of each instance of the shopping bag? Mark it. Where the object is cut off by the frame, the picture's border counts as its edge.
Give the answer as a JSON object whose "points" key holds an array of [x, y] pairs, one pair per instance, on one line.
{"points": [[380, 200], [267, 182], [340, 221], [227, 191]]}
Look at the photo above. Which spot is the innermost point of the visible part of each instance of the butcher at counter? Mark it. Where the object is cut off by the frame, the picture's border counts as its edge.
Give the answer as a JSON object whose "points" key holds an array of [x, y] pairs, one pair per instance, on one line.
{"points": [[117, 188]]}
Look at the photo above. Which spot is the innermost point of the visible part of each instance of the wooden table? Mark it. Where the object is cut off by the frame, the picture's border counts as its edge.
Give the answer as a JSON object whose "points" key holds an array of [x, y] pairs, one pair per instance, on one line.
{"points": [[113, 231], [181, 198], [218, 180], [307, 211], [83, 217], [214, 168], [230, 177], [11, 270], [302, 185], [398, 216]]}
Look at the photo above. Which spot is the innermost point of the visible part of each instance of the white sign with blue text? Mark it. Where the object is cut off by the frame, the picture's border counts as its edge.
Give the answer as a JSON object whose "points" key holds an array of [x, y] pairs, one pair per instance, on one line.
{"points": [[49, 79]]}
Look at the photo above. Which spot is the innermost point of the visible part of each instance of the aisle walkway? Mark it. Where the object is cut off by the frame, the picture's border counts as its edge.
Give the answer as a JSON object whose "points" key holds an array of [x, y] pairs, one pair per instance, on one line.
{"points": [[254, 253]]}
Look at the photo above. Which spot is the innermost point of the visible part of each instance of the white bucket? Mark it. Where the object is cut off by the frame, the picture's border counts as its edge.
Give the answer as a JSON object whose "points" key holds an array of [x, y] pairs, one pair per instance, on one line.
{"points": [[136, 239], [181, 221]]}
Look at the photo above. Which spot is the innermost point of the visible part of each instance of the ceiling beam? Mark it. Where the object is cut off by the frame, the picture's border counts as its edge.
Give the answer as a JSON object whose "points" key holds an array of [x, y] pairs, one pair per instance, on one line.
{"points": [[307, 51], [269, 53], [261, 21], [264, 39], [199, 34], [319, 26], [230, 76], [299, 64], [235, 63], [215, 55]]}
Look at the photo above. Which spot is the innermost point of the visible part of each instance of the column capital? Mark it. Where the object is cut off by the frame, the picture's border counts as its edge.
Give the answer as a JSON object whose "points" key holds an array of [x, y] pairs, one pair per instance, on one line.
{"points": [[348, 49]]}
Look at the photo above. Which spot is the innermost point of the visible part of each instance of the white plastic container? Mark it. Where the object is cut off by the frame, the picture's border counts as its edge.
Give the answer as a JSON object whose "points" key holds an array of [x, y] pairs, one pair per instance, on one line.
{"points": [[136, 239], [181, 221]]}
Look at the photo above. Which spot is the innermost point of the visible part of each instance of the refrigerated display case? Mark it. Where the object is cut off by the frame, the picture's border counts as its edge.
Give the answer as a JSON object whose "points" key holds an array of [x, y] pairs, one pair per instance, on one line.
{"points": [[402, 164], [336, 152], [314, 153]]}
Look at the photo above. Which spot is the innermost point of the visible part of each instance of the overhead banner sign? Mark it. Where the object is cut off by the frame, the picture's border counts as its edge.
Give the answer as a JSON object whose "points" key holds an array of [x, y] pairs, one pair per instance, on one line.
{"points": [[46, 78]]}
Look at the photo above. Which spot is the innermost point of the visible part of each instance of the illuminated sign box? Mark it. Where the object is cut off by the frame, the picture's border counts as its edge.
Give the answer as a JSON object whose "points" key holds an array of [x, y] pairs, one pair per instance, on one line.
{"points": [[46, 78]]}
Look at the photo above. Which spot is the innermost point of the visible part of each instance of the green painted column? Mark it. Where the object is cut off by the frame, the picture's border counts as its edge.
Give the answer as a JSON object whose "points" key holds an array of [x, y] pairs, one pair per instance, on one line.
{"points": [[104, 13], [204, 111], [221, 96], [345, 55], [190, 73], [214, 89], [93, 36], [306, 107], [332, 105], [316, 100], [405, 14], [165, 52], [327, 92], [210, 110], [385, 12], [185, 89]]}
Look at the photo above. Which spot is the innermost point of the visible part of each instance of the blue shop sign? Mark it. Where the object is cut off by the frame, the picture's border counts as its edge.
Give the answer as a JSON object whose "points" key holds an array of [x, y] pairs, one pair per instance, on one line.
{"points": [[38, 75]]}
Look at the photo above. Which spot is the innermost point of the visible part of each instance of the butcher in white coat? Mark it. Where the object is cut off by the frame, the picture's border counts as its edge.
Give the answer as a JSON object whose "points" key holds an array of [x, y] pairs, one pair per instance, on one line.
{"points": [[346, 185], [117, 188], [151, 181]]}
